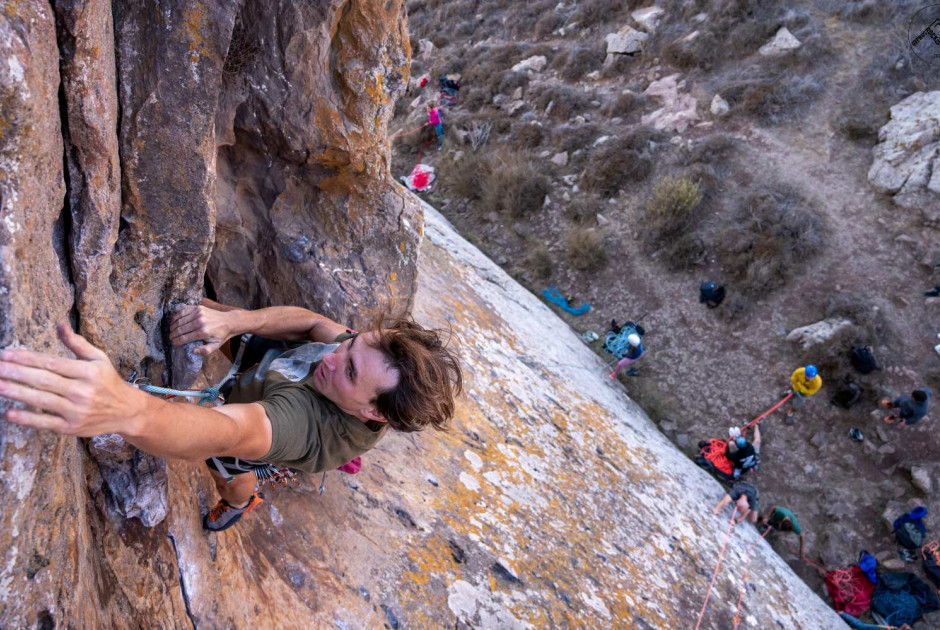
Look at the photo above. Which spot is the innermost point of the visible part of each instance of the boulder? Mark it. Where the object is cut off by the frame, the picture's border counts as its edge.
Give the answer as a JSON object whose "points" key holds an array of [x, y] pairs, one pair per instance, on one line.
{"points": [[626, 41], [922, 478], [719, 106], [820, 332], [532, 64], [783, 43], [426, 48], [906, 161], [560, 159], [678, 109], [648, 18]]}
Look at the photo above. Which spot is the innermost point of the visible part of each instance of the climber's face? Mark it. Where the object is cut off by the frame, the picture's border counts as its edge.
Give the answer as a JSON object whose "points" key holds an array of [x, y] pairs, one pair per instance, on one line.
{"points": [[353, 375]]}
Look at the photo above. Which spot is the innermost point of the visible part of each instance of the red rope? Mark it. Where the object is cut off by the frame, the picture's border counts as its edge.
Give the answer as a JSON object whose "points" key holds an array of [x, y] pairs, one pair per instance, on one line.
{"points": [[721, 555], [747, 564], [766, 413], [407, 133]]}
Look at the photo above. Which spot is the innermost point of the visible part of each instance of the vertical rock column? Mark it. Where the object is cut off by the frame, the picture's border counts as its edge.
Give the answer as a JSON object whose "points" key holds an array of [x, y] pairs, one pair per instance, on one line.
{"points": [[169, 62], [308, 212]]}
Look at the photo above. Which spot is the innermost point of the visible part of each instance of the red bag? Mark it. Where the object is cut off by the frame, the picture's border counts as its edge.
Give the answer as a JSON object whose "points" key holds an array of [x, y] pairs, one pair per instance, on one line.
{"points": [[351, 468]]}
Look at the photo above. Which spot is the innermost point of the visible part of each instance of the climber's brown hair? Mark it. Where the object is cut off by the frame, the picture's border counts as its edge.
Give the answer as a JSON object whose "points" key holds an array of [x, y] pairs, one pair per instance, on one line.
{"points": [[429, 380]]}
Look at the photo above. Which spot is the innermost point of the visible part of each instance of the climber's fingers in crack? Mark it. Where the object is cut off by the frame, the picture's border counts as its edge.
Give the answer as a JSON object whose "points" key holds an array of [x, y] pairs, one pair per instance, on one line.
{"points": [[37, 420]]}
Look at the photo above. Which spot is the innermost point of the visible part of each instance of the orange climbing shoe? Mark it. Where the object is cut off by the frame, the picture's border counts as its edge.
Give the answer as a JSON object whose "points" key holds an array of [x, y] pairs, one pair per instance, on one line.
{"points": [[223, 515]]}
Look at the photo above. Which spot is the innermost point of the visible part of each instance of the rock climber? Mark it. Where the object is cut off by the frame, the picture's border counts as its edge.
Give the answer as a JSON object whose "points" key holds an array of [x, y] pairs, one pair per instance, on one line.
{"points": [[742, 454], [330, 401], [434, 120], [745, 497], [805, 382], [911, 409], [629, 352], [783, 520]]}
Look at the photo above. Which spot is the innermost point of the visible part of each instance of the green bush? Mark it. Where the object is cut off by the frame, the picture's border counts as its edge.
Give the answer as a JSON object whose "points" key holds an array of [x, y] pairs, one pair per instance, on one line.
{"points": [[670, 220]]}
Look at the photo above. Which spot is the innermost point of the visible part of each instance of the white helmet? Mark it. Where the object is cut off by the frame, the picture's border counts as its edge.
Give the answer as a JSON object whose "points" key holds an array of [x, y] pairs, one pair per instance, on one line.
{"points": [[633, 340]]}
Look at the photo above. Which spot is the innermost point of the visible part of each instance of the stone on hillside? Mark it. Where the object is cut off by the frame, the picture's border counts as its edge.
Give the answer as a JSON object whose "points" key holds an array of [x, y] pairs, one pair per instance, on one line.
{"points": [[921, 478], [517, 93], [719, 106], [426, 48], [514, 107], [535, 63], [626, 41], [783, 43], [678, 110], [560, 159], [906, 160], [648, 18], [820, 332], [499, 100]]}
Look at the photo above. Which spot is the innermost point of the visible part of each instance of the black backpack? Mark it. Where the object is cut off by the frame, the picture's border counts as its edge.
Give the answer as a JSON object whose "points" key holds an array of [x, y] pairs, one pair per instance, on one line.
{"points": [[863, 360], [909, 535]]}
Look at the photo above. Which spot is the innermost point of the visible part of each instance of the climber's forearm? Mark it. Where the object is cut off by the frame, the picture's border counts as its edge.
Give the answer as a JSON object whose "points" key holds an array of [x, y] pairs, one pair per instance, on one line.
{"points": [[285, 323], [190, 432]]}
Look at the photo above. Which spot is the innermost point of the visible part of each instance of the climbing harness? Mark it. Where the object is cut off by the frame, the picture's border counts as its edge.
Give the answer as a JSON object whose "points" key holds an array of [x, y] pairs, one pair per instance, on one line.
{"points": [[721, 556]]}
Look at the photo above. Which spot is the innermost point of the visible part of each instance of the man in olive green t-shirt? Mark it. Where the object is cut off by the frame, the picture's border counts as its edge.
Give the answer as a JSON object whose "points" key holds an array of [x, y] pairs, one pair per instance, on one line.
{"points": [[783, 520], [396, 374]]}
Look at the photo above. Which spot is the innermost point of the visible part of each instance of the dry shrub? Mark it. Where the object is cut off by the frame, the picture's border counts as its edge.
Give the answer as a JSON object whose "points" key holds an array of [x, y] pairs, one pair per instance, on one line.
{"points": [[594, 12], [548, 24], [771, 97], [565, 101], [766, 239], [514, 186], [467, 176], [582, 209], [618, 162], [587, 249], [541, 263], [528, 136], [472, 99], [716, 148], [580, 61], [509, 81], [623, 105], [573, 137], [888, 78]]}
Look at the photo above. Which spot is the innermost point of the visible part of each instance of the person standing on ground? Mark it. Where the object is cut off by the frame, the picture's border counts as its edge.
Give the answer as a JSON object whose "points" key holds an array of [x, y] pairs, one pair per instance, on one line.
{"points": [[783, 520], [805, 382], [745, 497], [434, 120], [911, 409]]}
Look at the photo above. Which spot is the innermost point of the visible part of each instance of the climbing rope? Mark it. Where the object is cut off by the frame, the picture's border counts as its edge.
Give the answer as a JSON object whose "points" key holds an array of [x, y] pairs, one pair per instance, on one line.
{"points": [[766, 413], [209, 394], [747, 564], [407, 133], [716, 451], [721, 556]]}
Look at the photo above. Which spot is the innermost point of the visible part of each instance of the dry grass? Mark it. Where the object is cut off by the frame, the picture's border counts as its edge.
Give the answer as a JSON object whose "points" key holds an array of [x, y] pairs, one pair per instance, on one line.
{"points": [[565, 102], [587, 249], [528, 136], [582, 209], [467, 176], [623, 105]]}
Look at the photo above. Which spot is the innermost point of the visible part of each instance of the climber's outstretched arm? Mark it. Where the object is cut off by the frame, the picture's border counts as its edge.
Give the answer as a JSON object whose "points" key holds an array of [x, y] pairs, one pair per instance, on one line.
{"points": [[87, 397], [216, 323]]}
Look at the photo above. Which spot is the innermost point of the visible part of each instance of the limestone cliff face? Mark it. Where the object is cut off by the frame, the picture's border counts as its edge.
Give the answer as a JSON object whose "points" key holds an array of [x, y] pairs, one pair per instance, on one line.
{"points": [[145, 147]]}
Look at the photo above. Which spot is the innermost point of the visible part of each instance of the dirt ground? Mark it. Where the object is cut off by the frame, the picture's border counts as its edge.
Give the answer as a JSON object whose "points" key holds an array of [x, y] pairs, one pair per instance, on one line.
{"points": [[703, 373]]}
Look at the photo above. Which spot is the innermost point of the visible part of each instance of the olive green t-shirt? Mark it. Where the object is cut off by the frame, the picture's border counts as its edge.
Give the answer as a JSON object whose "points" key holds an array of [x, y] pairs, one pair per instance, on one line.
{"points": [[308, 432]]}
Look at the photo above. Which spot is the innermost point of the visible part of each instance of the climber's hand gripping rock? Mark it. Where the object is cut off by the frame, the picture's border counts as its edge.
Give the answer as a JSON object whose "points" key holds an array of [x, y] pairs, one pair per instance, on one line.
{"points": [[84, 396]]}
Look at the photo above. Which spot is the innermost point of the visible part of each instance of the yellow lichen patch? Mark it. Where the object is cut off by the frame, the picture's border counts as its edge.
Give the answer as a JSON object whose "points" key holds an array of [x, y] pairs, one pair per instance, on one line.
{"points": [[432, 557], [194, 23], [394, 277]]}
